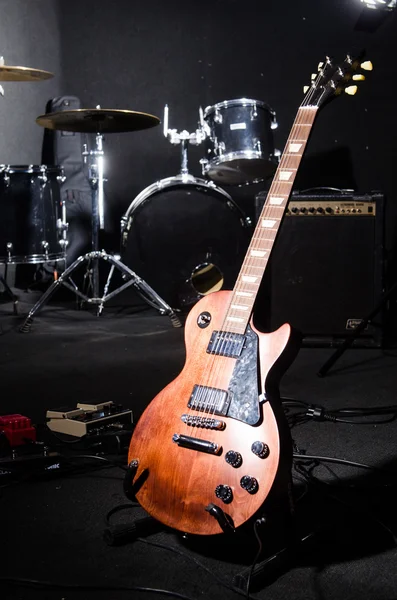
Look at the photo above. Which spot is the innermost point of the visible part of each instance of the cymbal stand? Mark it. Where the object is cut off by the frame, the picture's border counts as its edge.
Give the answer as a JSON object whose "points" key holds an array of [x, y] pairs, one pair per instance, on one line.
{"points": [[92, 258]]}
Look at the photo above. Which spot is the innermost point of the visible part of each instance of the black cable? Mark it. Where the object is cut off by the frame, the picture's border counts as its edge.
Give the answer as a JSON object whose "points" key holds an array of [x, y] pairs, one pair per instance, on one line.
{"points": [[319, 484], [172, 549], [342, 461], [95, 457], [228, 586], [89, 588]]}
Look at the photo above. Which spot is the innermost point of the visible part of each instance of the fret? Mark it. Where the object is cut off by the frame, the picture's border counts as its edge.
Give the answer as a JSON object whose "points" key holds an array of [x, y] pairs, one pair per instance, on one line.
{"points": [[262, 241]]}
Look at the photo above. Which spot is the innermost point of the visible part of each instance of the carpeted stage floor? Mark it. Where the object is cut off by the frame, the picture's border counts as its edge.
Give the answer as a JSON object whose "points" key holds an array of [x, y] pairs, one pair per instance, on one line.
{"points": [[53, 521]]}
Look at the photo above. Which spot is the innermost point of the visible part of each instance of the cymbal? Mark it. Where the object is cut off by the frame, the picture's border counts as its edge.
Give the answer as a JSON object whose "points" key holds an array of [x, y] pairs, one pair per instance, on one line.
{"points": [[8, 73], [97, 120]]}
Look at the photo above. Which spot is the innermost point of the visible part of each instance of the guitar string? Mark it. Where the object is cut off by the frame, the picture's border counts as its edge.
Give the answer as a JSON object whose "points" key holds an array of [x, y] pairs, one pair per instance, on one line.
{"points": [[214, 375], [205, 400]]}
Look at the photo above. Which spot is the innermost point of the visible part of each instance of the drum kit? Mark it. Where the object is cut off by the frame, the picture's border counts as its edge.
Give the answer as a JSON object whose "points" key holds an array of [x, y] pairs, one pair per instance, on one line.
{"points": [[238, 151]]}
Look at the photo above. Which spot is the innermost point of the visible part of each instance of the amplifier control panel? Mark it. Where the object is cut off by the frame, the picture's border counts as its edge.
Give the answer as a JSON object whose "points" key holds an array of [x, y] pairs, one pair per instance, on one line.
{"points": [[324, 208]]}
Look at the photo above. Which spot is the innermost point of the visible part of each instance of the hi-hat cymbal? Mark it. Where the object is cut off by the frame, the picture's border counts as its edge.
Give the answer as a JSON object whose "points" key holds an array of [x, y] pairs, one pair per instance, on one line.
{"points": [[8, 73], [97, 120]]}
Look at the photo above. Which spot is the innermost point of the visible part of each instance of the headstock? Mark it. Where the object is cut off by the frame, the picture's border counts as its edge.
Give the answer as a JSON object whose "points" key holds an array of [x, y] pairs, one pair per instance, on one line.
{"points": [[331, 80]]}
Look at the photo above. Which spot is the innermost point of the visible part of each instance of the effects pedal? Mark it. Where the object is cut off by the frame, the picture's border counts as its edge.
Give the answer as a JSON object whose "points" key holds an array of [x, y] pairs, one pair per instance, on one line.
{"points": [[89, 418]]}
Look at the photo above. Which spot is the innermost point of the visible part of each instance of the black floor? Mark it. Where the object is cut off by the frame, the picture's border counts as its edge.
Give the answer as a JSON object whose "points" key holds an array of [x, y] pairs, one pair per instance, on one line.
{"points": [[53, 522]]}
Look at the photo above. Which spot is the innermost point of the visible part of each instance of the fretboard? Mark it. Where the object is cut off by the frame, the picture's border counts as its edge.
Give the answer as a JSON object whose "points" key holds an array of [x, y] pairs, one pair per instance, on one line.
{"points": [[258, 253]]}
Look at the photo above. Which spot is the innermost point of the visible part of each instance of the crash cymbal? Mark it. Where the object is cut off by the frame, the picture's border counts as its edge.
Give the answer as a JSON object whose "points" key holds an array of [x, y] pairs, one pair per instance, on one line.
{"points": [[8, 73], [97, 120]]}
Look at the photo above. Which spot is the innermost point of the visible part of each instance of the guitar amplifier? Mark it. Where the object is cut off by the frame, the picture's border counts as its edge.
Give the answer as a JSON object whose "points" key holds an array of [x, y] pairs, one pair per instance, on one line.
{"points": [[326, 270]]}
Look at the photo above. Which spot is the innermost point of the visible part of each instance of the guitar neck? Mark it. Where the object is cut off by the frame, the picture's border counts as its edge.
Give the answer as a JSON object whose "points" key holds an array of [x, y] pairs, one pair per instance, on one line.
{"points": [[258, 253]]}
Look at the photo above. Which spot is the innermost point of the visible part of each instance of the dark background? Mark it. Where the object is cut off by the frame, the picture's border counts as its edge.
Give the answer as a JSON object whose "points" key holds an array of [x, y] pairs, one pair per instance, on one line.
{"points": [[140, 56]]}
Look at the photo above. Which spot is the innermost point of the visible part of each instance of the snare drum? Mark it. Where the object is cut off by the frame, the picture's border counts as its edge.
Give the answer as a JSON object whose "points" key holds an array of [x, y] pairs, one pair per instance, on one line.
{"points": [[185, 237], [239, 142], [32, 214]]}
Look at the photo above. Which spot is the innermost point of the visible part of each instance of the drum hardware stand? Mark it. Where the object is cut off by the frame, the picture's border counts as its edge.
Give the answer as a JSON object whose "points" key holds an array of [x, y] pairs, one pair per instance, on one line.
{"points": [[184, 138], [8, 291], [356, 332], [92, 258]]}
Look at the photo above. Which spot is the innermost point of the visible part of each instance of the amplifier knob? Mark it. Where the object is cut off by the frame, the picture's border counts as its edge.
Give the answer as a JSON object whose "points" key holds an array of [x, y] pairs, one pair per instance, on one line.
{"points": [[294, 209], [320, 209], [311, 209], [329, 210], [303, 209]]}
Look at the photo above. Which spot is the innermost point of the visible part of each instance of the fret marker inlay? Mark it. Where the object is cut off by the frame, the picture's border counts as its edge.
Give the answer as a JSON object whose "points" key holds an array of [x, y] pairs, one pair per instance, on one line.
{"points": [[249, 279], [269, 223], [258, 253], [236, 319], [285, 175], [276, 201], [245, 294], [239, 307], [295, 147]]}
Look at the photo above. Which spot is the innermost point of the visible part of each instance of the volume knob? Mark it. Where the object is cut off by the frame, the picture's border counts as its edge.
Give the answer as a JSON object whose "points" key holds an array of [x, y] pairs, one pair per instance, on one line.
{"points": [[260, 449], [224, 493], [234, 458], [250, 484]]}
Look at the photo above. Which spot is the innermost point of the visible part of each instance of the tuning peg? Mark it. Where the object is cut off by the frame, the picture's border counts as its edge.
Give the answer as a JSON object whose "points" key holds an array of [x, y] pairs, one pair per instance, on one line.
{"points": [[320, 66], [313, 76], [367, 65], [351, 90], [305, 88], [358, 77]]}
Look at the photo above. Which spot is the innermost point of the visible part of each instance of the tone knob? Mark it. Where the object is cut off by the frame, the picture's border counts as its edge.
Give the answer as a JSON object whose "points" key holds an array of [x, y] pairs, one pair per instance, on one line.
{"points": [[260, 449], [224, 493], [250, 484], [329, 210], [234, 459], [312, 209]]}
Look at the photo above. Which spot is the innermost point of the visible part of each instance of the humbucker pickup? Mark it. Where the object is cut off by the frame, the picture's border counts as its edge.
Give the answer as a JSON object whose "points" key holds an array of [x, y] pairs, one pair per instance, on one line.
{"points": [[226, 343], [210, 400]]}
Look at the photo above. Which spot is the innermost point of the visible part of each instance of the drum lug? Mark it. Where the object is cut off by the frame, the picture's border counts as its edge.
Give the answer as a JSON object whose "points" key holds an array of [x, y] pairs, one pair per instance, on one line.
{"points": [[258, 146], [45, 248], [254, 113], [218, 117], [9, 249]]}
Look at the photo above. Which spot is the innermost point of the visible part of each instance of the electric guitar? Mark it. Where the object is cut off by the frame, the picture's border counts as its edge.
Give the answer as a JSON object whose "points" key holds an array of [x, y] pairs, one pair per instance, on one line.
{"points": [[208, 449]]}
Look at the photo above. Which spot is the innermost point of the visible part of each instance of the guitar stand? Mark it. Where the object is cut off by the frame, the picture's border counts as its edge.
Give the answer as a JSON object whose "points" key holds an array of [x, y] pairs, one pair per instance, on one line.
{"points": [[8, 291], [355, 333]]}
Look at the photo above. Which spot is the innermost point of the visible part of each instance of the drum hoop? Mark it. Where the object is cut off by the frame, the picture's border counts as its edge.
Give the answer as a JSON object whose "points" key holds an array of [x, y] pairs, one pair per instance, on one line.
{"points": [[237, 102], [32, 259], [248, 154], [169, 182], [30, 169]]}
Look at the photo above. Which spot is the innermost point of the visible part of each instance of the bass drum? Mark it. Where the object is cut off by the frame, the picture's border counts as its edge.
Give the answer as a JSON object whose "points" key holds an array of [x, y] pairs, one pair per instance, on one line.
{"points": [[185, 237]]}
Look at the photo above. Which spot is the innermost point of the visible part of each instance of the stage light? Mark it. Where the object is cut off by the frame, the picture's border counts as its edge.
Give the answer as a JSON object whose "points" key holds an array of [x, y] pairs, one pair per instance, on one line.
{"points": [[380, 4]]}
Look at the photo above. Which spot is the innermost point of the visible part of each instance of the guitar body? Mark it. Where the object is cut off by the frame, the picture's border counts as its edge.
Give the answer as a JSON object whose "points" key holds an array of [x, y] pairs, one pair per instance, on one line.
{"points": [[214, 443], [176, 484]]}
